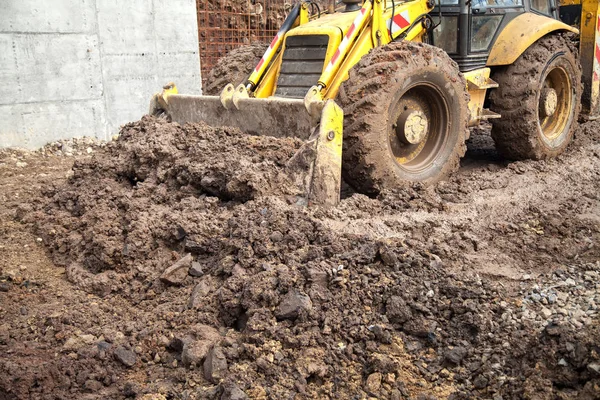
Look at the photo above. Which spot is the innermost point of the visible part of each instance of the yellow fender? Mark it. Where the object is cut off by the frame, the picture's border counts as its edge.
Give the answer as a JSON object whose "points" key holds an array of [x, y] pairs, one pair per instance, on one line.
{"points": [[519, 34]]}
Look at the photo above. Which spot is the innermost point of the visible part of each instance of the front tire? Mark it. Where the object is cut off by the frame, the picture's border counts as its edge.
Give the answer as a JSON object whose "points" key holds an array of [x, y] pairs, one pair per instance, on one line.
{"points": [[406, 116], [539, 98]]}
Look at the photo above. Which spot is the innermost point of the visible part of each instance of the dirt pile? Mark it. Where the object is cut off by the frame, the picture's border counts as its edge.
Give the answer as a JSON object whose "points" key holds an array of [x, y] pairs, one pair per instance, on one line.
{"points": [[133, 200], [479, 287]]}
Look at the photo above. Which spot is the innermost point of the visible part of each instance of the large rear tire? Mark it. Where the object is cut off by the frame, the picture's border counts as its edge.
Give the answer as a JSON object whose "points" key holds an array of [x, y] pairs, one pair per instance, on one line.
{"points": [[235, 67], [406, 117], [539, 98]]}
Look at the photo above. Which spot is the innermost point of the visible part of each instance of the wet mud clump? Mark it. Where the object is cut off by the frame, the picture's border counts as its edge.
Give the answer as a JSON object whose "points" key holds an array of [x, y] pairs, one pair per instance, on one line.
{"points": [[229, 289]]}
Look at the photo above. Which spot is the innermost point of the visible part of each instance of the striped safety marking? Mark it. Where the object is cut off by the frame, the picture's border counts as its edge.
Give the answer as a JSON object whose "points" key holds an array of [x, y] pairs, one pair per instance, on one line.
{"points": [[342, 47], [269, 51], [597, 61], [399, 22]]}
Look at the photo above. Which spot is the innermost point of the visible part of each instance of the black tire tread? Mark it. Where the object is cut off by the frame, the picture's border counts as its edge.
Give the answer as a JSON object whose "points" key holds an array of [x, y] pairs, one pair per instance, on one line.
{"points": [[516, 133], [366, 161]]}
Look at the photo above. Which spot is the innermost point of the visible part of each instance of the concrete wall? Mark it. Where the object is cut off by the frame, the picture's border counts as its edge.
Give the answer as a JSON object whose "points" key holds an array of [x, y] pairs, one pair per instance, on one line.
{"points": [[84, 67]]}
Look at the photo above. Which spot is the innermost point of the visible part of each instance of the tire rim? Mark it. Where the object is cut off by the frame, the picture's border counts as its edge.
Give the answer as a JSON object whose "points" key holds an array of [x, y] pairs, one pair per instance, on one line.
{"points": [[416, 151], [555, 103]]}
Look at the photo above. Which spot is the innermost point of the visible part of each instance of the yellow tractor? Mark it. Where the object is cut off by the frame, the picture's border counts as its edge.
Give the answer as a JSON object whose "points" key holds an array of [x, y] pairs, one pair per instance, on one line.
{"points": [[384, 91]]}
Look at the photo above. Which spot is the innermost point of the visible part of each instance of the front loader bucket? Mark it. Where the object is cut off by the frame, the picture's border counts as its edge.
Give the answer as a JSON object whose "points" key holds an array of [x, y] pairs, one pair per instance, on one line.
{"points": [[271, 116], [277, 117]]}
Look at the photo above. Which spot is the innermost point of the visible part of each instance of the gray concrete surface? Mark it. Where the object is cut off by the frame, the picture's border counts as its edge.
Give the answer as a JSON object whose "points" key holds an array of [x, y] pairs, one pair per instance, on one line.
{"points": [[71, 68]]}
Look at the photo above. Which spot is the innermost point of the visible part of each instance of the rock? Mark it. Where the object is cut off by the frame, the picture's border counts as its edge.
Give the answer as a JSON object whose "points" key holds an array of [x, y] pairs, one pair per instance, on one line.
{"points": [[126, 357], [552, 298], [381, 334], [21, 164], [92, 385], [176, 273], [4, 286], [373, 383], [196, 269], [233, 392], [578, 314], [276, 236], [554, 330], [317, 278], [201, 290], [480, 382], [594, 368], [436, 262], [215, 365], [103, 346], [419, 326], [397, 310], [570, 282], [73, 344], [455, 355], [388, 257], [562, 362], [562, 296], [292, 304], [88, 339], [546, 313], [206, 332], [177, 343], [194, 352], [526, 277], [536, 297]]}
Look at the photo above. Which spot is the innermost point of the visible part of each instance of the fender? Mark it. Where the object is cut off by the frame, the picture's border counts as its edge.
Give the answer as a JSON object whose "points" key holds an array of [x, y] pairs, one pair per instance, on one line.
{"points": [[520, 33]]}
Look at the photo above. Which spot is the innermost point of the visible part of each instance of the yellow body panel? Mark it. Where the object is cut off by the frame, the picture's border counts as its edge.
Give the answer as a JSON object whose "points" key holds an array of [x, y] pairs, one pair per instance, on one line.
{"points": [[589, 51], [336, 26], [519, 34], [326, 180], [478, 82]]}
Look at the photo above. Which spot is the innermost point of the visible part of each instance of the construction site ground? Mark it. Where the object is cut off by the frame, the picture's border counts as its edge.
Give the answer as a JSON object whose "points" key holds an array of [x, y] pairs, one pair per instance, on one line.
{"points": [[181, 263]]}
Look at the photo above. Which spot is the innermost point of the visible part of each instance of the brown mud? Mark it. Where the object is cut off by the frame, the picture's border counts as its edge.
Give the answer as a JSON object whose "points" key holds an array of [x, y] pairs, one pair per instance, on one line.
{"points": [[183, 267]]}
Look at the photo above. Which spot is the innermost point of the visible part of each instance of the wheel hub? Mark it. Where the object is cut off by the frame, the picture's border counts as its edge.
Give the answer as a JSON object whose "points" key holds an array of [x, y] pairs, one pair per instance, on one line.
{"points": [[548, 102], [411, 127]]}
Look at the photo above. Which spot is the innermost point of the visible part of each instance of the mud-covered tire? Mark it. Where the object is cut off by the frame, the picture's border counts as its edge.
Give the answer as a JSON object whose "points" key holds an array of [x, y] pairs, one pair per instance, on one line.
{"points": [[235, 67], [375, 98], [525, 131]]}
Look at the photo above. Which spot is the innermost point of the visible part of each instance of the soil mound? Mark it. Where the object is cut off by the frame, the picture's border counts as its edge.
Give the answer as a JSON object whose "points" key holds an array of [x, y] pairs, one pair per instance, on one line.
{"points": [[249, 294]]}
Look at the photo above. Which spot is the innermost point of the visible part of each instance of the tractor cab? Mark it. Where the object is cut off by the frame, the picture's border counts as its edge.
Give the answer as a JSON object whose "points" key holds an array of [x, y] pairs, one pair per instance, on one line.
{"points": [[469, 28]]}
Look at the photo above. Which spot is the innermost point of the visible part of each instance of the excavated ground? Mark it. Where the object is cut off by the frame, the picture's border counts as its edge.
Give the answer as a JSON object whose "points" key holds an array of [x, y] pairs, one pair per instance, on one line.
{"points": [[178, 262]]}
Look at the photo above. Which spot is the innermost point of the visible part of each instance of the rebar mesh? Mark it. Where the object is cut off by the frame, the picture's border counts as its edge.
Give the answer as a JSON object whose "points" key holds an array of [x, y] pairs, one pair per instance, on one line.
{"points": [[226, 24]]}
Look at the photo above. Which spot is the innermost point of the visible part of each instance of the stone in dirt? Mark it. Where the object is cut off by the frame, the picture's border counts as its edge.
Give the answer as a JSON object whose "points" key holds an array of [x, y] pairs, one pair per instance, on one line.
{"points": [[419, 326], [373, 382], [126, 357], [201, 290], [594, 368], [215, 365], [233, 392], [292, 304], [194, 352], [196, 269], [176, 273], [456, 354], [397, 310], [480, 382]]}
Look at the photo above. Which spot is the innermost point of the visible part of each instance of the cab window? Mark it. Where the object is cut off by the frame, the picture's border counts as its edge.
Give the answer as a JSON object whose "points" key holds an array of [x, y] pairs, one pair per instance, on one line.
{"points": [[542, 6]]}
